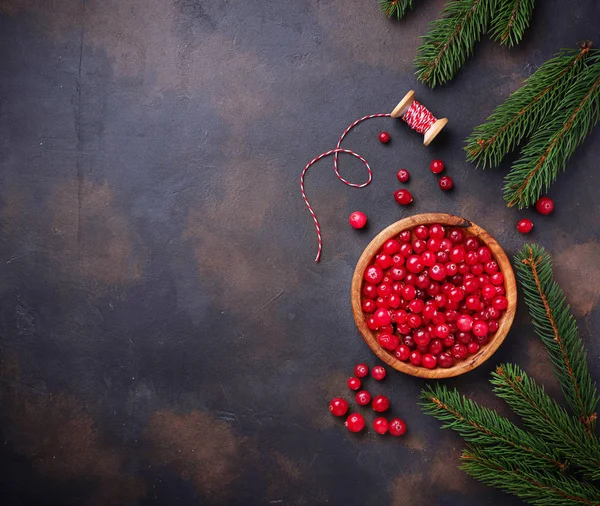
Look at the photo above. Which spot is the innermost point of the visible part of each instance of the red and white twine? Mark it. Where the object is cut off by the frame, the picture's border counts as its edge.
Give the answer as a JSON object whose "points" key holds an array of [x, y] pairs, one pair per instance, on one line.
{"points": [[418, 117]]}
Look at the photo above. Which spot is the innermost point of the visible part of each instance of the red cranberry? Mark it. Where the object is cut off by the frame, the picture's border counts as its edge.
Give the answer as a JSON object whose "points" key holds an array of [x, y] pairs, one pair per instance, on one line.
{"points": [[391, 247], [421, 232], [429, 361], [355, 422], [394, 300], [403, 175], [488, 291], [401, 316], [402, 353], [437, 231], [524, 226], [472, 347], [445, 183], [493, 326], [445, 360], [415, 358], [368, 305], [459, 351], [397, 427], [545, 205], [411, 279], [441, 257], [484, 254], [500, 302], [409, 292], [493, 313], [456, 236], [382, 317], [381, 303], [383, 260], [403, 197], [357, 219], [436, 166], [380, 425], [442, 330], [421, 337], [480, 328], [416, 306], [380, 403], [378, 372], [373, 274], [397, 273], [471, 258], [406, 249], [464, 323], [338, 407], [464, 337], [404, 236], [384, 137], [428, 258], [497, 279], [457, 254], [451, 269], [435, 346], [472, 301], [491, 267], [441, 300], [433, 244], [449, 341], [361, 370], [481, 340], [472, 244], [388, 341], [471, 285], [369, 290], [477, 269], [419, 246], [363, 398], [464, 269], [354, 383], [456, 294], [384, 290], [371, 323]]}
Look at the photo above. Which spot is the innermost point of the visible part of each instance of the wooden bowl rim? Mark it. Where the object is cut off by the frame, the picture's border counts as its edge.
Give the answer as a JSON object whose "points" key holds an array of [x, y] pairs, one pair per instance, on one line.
{"points": [[471, 228]]}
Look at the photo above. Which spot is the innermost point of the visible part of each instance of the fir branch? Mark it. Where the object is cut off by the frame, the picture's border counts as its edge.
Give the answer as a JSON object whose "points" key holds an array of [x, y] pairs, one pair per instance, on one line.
{"points": [[395, 8], [548, 419], [523, 111], [451, 40], [511, 20], [527, 482], [477, 424], [552, 145], [557, 328]]}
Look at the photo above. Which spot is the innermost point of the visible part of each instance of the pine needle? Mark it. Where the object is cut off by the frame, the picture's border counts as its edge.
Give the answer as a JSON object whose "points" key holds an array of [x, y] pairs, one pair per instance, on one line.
{"points": [[395, 8], [510, 21]]}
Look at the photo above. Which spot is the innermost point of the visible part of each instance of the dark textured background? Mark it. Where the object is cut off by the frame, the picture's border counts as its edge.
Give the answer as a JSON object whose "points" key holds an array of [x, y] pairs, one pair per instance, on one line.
{"points": [[165, 337]]}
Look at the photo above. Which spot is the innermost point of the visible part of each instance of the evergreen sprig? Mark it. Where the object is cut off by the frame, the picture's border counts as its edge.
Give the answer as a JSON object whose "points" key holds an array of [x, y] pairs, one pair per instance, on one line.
{"points": [[549, 463], [511, 20], [552, 145], [523, 111], [395, 8], [556, 327], [451, 40]]}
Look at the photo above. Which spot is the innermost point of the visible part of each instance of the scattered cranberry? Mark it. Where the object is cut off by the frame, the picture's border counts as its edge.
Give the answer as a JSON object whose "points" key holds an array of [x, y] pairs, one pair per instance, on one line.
{"points": [[357, 219], [403, 175], [445, 183], [378, 372], [354, 383], [380, 425], [545, 205], [436, 166], [361, 370], [363, 398], [524, 226], [397, 427], [403, 197], [384, 137], [380, 403], [355, 422], [338, 407]]}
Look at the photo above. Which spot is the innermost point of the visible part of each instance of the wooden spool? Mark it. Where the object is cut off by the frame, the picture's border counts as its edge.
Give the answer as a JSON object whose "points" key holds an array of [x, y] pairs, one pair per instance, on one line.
{"points": [[403, 106], [505, 321]]}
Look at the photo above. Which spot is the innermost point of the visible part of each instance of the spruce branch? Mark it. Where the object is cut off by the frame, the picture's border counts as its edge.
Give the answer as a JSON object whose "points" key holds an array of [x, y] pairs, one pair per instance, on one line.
{"points": [[526, 481], [510, 21], [551, 146], [557, 328], [451, 40], [547, 418], [395, 8], [483, 426], [523, 111]]}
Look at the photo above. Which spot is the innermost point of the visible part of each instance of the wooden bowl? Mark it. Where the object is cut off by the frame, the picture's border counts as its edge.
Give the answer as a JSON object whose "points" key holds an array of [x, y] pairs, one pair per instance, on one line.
{"points": [[471, 229]]}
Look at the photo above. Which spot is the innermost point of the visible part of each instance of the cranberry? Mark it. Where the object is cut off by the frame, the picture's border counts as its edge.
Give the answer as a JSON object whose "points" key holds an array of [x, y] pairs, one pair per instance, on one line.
{"points": [[472, 244], [363, 398], [435, 346], [429, 361], [500, 302], [406, 249], [416, 306], [357, 219], [338, 407], [392, 247], [433, 244], [368, 306], [436, 166], [491, 267], [456, 294], [409, 292], [459, 351], [411, 279], [378, 372], [388, 341], [442, 330], [373, 274], [405, 330], [354, 383], [457, 254], [497, 279], [380, 425], [394, 300], [397, 273], [415, 358], [403, 175], [402, 353], [493, 313], [477, 269], [449, 341], [414, 321], [545, 205], [355, 422], [524, 226], [384, 137], [472, 347], [488, 291], [404, 236], [384, 261], [421, 337], [419, 246], [428, 258], [471, 258], [384, 290], [403, 197], [361, 370], [464, 269], [441, 257], [382, 317], [369, 290], [371, 323], [484, 254], [451, 269], [437, 272], [445, 183], [456, 236], [471, 285], [464, 323], [397, 427], [381, 303], [414, 264], [380, 403], [464, 337], [441, 300], [493, 326], [473, 303], [445, 360], [480, 328], [401, 316]]}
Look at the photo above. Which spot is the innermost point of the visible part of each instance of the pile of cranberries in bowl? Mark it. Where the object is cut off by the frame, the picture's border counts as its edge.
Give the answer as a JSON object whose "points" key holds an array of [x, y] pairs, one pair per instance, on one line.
{"points": [[433, 295]]}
